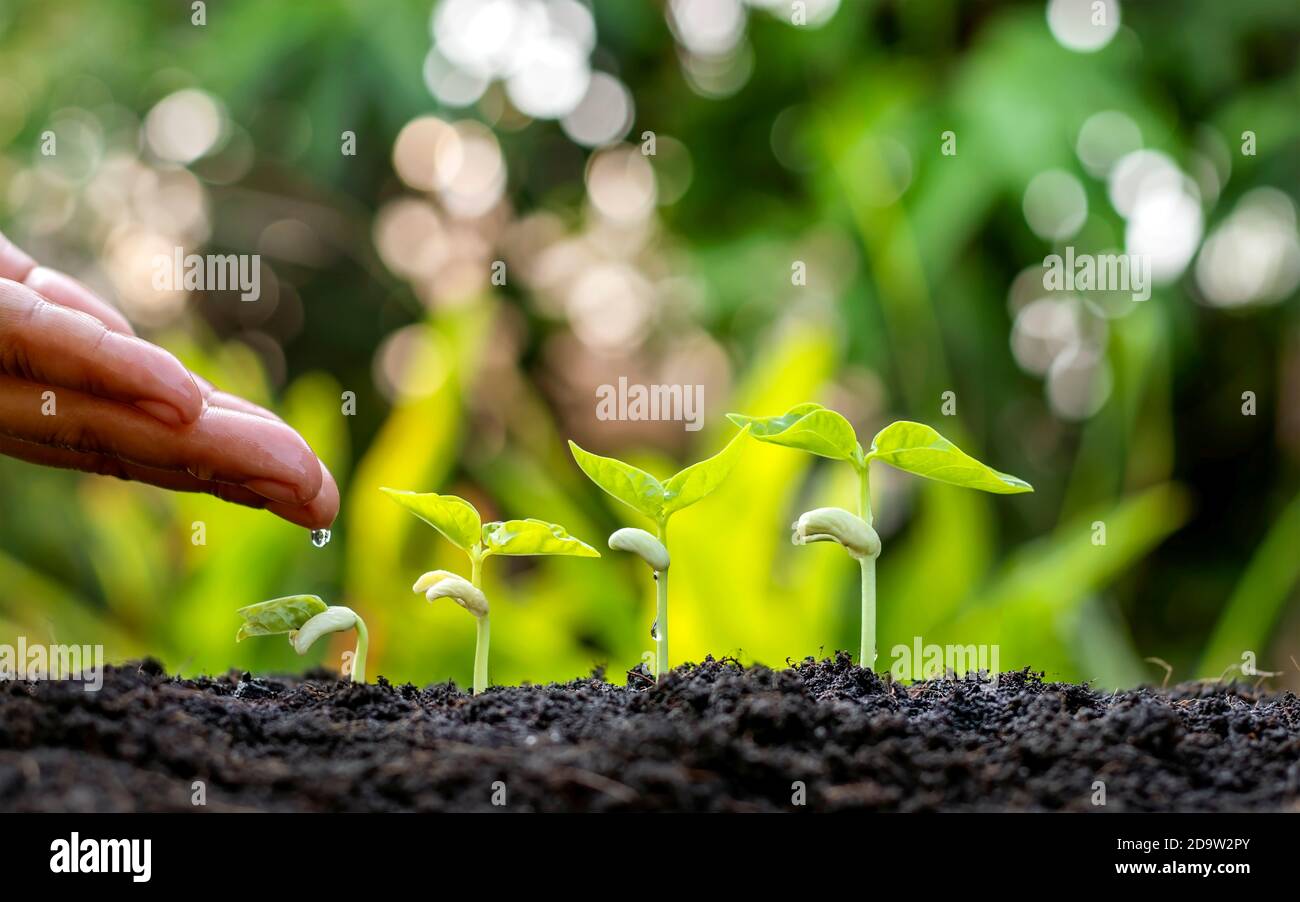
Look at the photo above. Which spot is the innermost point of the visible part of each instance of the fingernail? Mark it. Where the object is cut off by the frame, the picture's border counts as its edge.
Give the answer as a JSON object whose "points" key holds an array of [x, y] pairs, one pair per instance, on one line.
{"points": [[276, 491], [161, 411]]}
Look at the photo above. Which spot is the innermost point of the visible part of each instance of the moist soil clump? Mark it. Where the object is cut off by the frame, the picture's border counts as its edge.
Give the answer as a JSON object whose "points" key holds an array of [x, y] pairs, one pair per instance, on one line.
{"points": [[712, 737]]}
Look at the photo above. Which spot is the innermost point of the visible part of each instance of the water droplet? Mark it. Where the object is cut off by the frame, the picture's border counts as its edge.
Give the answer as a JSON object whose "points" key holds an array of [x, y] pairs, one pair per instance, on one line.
{"points": [[654, 630], [320, 537]]}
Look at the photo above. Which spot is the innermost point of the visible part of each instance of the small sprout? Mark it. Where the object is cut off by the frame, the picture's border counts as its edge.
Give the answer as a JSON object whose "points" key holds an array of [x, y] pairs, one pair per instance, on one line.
{"points": [[642, 544], [334, 619], [304, 619], [659, 501], [912, 447], [444, 584], [1169, 669], [834, 524], [459, 522]]}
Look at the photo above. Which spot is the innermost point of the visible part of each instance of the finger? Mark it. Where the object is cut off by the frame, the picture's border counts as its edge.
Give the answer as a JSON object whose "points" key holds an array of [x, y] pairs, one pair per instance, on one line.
{"points": [[17, 266], [222, 445], [319, 513], [14, 264], [219, 398], [46, 343], [326, 503], [68, 292]]}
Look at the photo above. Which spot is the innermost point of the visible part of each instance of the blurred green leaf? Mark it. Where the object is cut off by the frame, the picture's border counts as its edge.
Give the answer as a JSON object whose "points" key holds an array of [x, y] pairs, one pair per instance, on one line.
{"points": [[1268, 581], [1031, 604]]}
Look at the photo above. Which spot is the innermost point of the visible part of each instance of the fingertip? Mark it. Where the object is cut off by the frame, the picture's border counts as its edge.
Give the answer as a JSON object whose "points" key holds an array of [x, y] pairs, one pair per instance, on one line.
{"points": [[190, 397], [282, 492], [156, 376], [328, 500], [319, 513], [314, 478], [299, 459], [266, 455], [165, 413]]}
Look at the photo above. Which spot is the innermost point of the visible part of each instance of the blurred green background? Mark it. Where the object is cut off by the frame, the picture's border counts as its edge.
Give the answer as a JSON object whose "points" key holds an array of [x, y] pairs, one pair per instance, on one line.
{"points": [[517, 130]]}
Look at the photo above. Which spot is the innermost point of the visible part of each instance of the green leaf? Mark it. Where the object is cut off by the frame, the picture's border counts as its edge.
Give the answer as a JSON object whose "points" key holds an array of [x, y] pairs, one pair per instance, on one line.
{"points": [[519, 537], [698, 480], [278, 616], [634, 487], [454, 517], [807, 427], [918, 449]]}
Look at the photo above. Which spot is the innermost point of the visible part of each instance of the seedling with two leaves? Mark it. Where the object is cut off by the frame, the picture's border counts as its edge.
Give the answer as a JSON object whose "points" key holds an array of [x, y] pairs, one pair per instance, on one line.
{"points": [[305, 618], [659, 501], [459, 523], [912, 447]]}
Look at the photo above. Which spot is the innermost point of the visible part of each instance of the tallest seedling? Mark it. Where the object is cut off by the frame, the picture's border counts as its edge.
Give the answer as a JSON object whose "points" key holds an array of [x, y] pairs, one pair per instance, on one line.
{"points": [[659, 501], [912, 447]]}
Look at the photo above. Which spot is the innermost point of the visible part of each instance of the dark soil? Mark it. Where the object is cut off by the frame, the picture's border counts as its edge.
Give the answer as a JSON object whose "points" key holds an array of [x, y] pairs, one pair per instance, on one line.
{"points": [[713, 737]]}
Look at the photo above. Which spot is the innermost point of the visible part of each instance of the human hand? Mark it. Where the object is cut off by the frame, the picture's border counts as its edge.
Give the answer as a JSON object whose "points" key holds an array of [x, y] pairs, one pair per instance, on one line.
{"points": [[123, 407]]}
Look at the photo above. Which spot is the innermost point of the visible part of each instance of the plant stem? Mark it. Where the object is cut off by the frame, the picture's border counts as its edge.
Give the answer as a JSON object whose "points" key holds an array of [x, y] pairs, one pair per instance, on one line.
{"points": [[484, 629], [867, 656], [481, 654], [867, 652], [661, 611], [359, 656], [864, 499]]}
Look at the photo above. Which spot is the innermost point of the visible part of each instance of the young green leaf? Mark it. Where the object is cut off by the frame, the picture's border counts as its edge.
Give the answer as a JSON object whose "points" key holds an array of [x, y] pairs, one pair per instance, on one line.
{"points": [[700, 479], [918, 449], [807, 427], [278, 616], [454, 517], [634, 487], [519, 537]]}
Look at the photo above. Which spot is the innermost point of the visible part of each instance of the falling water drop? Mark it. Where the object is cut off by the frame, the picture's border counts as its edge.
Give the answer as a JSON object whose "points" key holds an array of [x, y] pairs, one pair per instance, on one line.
{"points": [[320, 537]]}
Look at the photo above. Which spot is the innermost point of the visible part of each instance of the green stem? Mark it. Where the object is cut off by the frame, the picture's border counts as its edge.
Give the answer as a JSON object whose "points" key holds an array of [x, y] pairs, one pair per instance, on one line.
{"points": [[867, 651], [481, 654], [864, 499], [867, 656], [359, 656], [661, 611], [484, 631]]}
